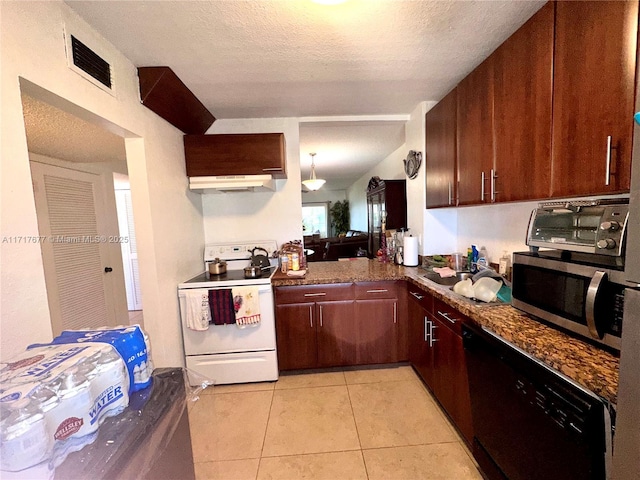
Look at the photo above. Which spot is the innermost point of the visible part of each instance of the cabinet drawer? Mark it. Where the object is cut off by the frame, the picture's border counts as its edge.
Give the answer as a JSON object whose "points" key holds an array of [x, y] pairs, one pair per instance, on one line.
{"points": [[370, 290], [449, 316], [314, 293], [424, 299]]}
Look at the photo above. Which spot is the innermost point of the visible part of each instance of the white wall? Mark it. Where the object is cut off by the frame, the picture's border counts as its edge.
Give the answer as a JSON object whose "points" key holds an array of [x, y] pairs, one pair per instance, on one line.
{"points": [[241, 216], [416, 188], [392, 168], [323, 195], [499, 228], [168, 217], [389, 168]]}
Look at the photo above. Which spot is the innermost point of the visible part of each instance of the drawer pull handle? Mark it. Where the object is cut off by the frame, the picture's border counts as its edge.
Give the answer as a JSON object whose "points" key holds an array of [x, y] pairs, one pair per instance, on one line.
{"points": [[419, 297], [274, 169], [322, 294], [377, 291], [607, 175], [446, 317]]}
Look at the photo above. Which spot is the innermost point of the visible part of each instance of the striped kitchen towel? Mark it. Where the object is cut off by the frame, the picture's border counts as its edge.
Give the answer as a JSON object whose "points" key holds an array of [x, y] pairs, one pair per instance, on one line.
{"points": [[221, 305]]}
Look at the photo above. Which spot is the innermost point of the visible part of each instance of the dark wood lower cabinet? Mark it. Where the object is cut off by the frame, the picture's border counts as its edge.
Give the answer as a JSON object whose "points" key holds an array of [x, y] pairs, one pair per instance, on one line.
{"points": [[336, 332], [296, 336], [451, 385], [377, 322], [437, 353], [420, 353], [340, 324]]}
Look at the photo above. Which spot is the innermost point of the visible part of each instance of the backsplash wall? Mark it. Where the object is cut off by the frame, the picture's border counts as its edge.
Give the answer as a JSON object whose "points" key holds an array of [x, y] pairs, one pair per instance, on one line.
{"points": [[496, 227]]}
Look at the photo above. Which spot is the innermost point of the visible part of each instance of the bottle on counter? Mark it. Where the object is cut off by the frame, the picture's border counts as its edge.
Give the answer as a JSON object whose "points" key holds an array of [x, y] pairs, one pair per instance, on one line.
{"points": [[483, 259], [295, 262], [503, 265], [473, 268], [284, 263]]}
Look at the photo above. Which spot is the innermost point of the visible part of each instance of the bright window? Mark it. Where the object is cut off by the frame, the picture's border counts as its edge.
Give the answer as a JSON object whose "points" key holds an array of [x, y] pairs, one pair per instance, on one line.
{"points": [[315, 219]]}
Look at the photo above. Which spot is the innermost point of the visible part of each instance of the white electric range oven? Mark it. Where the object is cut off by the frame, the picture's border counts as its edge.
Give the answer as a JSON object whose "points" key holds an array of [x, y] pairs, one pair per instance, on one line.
{"points": [[230, 353]]}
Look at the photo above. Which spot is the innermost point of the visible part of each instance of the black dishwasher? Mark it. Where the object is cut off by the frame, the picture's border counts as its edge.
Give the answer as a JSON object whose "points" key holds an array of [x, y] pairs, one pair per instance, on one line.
{"points": [[531, 422]]}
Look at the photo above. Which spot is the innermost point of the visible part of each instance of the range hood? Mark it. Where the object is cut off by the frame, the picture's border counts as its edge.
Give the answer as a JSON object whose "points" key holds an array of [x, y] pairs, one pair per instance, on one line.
{"points": [[233, 183]]}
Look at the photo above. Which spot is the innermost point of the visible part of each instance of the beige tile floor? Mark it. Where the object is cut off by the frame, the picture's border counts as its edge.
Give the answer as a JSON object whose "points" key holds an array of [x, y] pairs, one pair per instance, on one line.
{"points": [[372, 423]]}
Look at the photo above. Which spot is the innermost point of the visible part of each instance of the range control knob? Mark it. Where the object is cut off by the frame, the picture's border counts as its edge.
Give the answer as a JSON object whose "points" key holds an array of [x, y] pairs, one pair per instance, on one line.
{"points": [[606, 243], [611, 226]]}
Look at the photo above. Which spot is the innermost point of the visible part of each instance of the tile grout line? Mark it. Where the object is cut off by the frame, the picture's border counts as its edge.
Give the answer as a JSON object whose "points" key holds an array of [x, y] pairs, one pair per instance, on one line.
{"points": [[266, 428], [353, 413]]}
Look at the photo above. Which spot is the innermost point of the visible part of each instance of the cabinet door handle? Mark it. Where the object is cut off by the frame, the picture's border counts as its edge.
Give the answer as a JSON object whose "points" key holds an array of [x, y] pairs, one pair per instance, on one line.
{"points": [[419, 297], [382, 290], [482, 194], [320, 315], [395, 312], [450, 195], [426, 329], [446, 317], [607, 175], [311, 316], [493, 185], [273, 169], [432, 339], [322, 294]]}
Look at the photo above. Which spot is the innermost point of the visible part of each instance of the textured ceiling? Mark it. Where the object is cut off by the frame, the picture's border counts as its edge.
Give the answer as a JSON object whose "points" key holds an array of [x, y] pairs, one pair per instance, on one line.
{"points": [[255, 59], [58, 134], [252, 59], [344, 150]]}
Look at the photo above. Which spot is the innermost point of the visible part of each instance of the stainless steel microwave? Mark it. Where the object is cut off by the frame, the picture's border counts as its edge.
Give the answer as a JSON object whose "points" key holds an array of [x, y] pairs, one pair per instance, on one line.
{"points": [[577, 295]]}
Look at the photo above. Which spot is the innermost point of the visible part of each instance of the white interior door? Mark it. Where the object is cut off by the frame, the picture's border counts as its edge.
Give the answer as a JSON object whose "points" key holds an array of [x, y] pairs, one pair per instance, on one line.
{"points": [[70, 210], [129, 249]]}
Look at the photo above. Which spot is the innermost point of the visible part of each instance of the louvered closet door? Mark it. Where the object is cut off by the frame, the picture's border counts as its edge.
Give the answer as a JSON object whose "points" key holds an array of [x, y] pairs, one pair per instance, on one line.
{"points": [[70, 213]]}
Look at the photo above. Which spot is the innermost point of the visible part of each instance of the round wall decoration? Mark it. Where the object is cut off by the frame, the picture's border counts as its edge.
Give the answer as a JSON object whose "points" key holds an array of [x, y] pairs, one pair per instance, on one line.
{"points": [[412, 164]]}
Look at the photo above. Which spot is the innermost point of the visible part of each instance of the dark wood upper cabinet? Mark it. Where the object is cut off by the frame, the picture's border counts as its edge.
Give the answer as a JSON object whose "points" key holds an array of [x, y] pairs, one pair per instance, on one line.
{"points": [[440, 161], [164, 93], [475, 134], [522, 92], [236, 154], [593, 98]]}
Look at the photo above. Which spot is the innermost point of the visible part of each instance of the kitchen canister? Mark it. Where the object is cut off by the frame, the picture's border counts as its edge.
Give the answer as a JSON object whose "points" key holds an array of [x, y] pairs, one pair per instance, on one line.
{"points": [[410, 251]]}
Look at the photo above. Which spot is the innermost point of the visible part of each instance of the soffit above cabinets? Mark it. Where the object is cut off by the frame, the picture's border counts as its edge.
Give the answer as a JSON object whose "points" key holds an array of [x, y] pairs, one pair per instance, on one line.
{"points": [[165, 94]]}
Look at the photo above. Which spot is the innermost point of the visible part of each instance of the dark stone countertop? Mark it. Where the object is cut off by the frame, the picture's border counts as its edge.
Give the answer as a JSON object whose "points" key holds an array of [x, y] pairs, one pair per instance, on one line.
{"points": [[584, 363]]}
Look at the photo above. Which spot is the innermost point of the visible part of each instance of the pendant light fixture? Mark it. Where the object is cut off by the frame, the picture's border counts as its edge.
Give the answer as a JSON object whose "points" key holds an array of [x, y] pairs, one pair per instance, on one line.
{"points": [[313, 183]]}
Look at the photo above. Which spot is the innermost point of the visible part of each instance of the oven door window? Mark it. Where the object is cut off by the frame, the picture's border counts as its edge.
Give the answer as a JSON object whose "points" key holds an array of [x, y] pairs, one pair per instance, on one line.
{"points": [[566, 226]]}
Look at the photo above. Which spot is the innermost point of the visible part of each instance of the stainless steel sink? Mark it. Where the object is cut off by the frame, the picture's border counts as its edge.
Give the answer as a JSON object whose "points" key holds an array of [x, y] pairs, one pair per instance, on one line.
{"points": [[450, 281], [477, 303]]}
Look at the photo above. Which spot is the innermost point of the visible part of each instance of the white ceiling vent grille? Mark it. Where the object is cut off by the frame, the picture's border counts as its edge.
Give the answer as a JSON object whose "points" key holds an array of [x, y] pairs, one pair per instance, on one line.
{"points": [[88, 63]]}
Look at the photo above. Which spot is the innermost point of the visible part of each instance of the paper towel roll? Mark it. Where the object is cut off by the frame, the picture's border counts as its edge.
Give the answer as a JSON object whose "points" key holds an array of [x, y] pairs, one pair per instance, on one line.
{"points": [[410, 251]]}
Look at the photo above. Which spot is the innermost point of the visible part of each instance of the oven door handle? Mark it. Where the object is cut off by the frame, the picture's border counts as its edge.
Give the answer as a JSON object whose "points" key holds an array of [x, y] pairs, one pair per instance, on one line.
{"points": [[590, 306]]}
